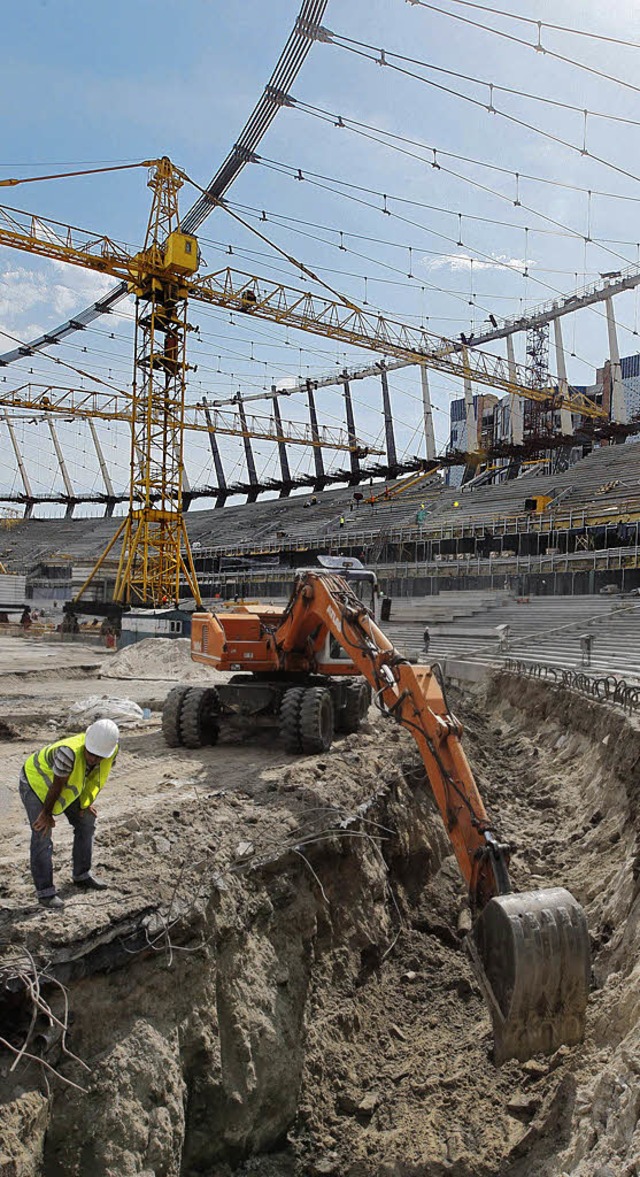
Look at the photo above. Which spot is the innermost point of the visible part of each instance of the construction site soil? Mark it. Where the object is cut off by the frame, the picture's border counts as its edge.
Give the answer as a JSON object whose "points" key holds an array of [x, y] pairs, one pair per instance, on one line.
{"points": [[276, 983]]}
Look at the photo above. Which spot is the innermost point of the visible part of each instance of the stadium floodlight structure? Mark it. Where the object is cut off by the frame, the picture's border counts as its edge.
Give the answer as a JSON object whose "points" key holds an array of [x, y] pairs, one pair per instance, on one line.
{"points": [[155, 555]]}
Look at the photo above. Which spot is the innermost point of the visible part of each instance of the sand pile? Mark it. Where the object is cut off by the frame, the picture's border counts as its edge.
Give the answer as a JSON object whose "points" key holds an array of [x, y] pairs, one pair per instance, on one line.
{"points": [[157, 658]]}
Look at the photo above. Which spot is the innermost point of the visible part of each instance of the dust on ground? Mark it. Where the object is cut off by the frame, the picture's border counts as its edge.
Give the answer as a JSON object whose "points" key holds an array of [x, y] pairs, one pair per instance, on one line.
{"points": [[397, 1078]]}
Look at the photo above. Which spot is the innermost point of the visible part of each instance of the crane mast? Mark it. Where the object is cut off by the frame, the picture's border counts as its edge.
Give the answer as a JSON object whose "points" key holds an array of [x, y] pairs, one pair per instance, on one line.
{"points": [[155, 551]]}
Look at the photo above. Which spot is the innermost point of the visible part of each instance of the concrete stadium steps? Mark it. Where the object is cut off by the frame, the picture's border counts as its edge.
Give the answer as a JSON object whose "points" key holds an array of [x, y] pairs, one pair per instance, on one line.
{"points": [[446, 606], [546, 630]]}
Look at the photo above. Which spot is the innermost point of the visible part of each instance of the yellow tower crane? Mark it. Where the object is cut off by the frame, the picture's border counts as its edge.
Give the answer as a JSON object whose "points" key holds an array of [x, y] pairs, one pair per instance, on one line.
{"points": [[155, 552]]}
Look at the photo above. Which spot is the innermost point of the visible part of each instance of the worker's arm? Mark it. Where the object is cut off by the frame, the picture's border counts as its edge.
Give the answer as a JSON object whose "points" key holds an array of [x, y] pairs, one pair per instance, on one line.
{"points": [[45, 820]]}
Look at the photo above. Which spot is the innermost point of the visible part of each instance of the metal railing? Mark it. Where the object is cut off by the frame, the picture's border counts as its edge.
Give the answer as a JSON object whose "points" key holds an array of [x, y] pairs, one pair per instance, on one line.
{"points": [[607, 689]]}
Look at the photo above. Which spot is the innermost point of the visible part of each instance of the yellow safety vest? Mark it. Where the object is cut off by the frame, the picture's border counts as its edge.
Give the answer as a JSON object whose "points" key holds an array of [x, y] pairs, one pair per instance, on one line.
{"points": [[83, 783]]}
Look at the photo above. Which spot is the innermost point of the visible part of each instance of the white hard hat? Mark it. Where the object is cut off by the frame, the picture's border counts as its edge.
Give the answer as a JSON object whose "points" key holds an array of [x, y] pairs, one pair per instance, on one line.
{"points": [[101, 738]]}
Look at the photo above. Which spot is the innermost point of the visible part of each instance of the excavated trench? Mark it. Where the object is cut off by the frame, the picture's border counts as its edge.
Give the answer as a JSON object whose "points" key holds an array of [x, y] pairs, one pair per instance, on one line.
{"points": [[305, 1006]]}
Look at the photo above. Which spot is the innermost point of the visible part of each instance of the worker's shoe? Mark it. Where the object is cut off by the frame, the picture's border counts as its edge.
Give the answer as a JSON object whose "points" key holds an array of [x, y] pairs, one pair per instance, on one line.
{"points": [[91, 883], [53, 902]]}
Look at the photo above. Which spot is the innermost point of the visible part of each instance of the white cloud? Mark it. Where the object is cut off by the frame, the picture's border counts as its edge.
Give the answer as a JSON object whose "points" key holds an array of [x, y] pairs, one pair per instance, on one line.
{"points": [[464, 261], [43, 290]]}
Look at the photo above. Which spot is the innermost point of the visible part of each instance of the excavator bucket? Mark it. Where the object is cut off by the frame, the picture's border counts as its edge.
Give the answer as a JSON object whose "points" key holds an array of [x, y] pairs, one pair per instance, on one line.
{"points": [[531, 953]]}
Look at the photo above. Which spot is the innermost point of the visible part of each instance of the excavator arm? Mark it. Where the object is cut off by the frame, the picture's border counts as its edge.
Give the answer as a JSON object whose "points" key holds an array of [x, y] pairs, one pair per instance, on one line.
{"points": [[414, 697], [530, 950]]}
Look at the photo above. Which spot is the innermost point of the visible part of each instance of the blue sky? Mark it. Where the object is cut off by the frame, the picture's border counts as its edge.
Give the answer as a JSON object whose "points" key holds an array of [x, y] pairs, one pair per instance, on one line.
{"points": [[87, 84]]}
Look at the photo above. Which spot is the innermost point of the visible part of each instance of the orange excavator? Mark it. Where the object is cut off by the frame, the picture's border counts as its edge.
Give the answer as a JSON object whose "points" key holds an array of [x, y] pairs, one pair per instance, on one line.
{"points": [[311, 667]]}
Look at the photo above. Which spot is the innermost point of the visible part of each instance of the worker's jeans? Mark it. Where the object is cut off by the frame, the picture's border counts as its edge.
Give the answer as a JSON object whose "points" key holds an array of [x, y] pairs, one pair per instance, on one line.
{"points": [[83, 823]]}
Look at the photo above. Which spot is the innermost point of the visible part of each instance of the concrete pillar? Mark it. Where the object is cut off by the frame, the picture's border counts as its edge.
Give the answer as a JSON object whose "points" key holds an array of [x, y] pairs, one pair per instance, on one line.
{"points": [[618, 406], [104, 470], [63, 468], [566, 420], [252, 476], [285, 472], [516, 403], [429, 436], [472, 420], [317, 449], [215, 454], [18, 453], [392, 460], [354, 460]]}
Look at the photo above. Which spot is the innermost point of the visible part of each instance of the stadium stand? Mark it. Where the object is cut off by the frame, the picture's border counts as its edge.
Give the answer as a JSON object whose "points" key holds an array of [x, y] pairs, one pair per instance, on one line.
{"points": [[417, 522]]}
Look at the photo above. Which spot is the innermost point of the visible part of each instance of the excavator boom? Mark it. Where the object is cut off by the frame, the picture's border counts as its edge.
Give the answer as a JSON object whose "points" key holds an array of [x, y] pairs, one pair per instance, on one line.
{"points": [[530, 949]]}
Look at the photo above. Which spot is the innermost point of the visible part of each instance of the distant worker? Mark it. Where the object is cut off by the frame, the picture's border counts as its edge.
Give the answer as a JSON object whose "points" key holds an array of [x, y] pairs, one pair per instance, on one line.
{"points": [[586, 647], [341, 521], [504, 633], [456, 503], [426, 638], [66, 777], [25, 620]]}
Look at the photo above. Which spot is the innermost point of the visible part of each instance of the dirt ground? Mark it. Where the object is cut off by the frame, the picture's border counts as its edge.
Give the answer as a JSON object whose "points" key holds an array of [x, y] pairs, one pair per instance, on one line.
{"points": [[320, 1015]]}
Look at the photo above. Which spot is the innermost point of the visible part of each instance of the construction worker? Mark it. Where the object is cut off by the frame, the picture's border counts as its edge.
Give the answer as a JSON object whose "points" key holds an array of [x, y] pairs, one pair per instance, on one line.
{"points": [[586, 646], [504, 634], [66, 777], [341, 521]]}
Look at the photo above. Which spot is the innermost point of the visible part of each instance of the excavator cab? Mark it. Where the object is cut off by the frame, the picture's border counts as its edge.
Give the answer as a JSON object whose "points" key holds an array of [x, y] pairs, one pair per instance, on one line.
{"points": [[363, 581]]}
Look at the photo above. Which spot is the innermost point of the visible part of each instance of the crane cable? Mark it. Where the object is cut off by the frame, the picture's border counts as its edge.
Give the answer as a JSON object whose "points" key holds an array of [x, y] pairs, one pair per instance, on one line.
{"points": [[293, 261], [123, 167]]}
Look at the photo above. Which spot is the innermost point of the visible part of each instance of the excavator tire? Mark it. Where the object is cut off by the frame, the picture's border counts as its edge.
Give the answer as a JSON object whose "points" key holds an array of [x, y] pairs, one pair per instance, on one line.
{"points": [[356, 706], [171, 713], [316, 720], [532, 955], [290, 720], [199, 718]]}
